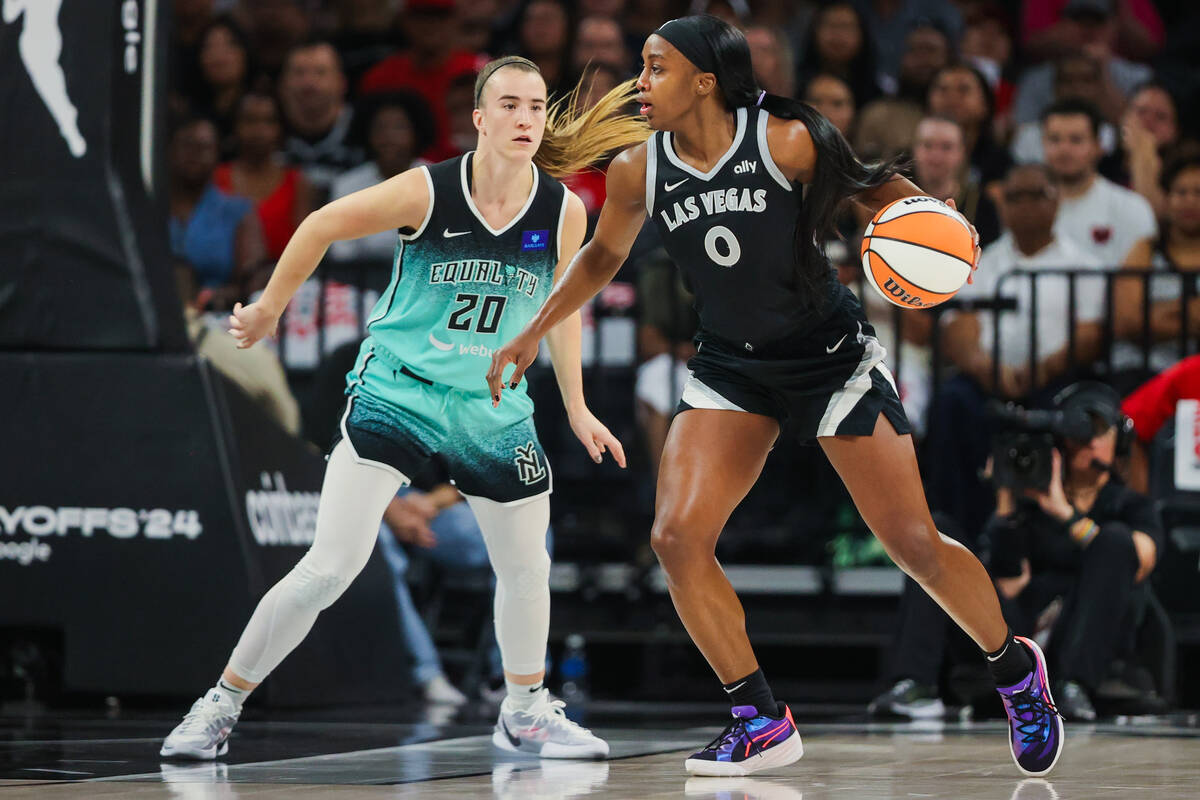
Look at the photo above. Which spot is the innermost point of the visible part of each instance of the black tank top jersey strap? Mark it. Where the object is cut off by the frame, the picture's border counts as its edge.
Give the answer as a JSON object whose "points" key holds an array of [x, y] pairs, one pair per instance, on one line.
{"points": [[453, 216], [731, 231]]}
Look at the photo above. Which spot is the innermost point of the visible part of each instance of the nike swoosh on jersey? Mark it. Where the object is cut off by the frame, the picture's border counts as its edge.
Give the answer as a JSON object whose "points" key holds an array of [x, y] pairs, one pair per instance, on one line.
{"points": [[443, 346], [669, 186], [446, 234], [827, 349]]}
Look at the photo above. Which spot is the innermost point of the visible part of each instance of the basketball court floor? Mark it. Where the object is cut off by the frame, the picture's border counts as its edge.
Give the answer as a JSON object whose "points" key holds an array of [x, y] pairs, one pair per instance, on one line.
{"points": [[275, 755]]}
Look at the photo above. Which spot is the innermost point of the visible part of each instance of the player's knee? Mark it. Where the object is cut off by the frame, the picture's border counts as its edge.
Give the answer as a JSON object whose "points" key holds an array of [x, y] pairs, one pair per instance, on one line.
{"points": [[316, 587], [674, 540], [528, 578], [917, 548]]}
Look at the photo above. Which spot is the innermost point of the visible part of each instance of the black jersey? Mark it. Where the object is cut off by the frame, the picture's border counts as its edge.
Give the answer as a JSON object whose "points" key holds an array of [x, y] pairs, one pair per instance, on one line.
{"points": [[731, 231]]}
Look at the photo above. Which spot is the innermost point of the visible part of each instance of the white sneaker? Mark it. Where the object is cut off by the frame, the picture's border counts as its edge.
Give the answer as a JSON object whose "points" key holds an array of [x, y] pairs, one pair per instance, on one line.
{"points": [[544, 730], [204, 732], [439, 691]]}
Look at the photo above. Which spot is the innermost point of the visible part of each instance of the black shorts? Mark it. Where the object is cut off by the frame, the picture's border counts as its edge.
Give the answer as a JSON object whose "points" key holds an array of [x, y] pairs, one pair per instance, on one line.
{"points": [[828, 382]]}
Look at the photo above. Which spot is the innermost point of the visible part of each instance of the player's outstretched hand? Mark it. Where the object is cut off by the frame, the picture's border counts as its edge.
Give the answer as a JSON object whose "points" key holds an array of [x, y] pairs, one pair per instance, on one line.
{"points": [[250, 323], [522, 350], [596, 438], [975, 233]]}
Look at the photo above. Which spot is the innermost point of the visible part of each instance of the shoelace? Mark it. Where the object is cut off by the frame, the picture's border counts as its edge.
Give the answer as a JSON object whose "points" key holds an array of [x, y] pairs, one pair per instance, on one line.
{"points": [[733, 731], [199, 719], [1029, 709], [553, 715]]}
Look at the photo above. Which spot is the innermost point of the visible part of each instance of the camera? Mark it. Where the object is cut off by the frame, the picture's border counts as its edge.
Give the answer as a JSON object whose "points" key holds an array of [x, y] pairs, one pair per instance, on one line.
{"points": [[1022, 448]]}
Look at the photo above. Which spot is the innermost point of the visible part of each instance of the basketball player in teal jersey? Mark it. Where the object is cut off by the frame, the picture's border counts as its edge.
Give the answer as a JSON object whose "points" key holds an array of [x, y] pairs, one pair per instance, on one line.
{"points": [[481, 239], [743, 188]]}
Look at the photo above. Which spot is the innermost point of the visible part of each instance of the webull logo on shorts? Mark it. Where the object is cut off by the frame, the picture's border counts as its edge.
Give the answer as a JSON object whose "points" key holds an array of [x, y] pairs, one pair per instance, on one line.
{"points": [[897, 291]]}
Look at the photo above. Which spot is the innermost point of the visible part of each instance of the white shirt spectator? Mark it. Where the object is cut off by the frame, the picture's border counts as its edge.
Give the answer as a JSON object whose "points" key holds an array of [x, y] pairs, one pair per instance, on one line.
{"points": [[1002, 257], [1106, 221], [380, 245]]}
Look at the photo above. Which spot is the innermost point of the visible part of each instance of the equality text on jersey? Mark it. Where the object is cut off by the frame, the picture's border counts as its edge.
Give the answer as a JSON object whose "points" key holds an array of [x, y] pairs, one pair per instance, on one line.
{"points": [[714, 201], [482, 270]]}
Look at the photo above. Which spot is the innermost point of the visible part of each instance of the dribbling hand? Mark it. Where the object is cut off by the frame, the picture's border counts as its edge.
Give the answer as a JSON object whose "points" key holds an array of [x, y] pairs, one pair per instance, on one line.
{"points": [[975, 234], [250, 323], [521, 351]]}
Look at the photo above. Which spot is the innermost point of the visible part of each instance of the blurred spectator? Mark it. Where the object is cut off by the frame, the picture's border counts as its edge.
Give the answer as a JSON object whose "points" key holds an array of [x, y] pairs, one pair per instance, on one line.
{"points": [[590, 184], [940, 169], [1177, 248], [885, 128], [1149, 129], [312, 94], [1076, 77], [891, 24], [987, 45], [543, 35], [1087, 539], [218, 234], [427, 66], [1095, 213], [477, 25], [365, 34], [774, 68], [926, 52], [460, 102], [1050, 27], [398, 126], [602, 8], [282, 195], [1151, 405], [440, 525], [276, 26], [256, 371], [189, 20], [224, 67], [1033, 241], [957, 445], [667, 322], [839, 43], [1093, 31], [642, 17], [961, 93], [599, 40], [831, 96]]}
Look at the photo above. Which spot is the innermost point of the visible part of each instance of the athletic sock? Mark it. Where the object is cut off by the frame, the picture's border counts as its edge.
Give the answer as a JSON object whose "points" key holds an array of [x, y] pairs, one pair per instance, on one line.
{"points": [[238, 696], [1010, 664], [522, 695], [753, 690]]}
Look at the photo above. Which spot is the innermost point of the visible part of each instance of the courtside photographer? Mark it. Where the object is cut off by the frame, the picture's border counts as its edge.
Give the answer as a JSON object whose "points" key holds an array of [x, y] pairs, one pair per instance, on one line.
{"points": [[1070, 545]]}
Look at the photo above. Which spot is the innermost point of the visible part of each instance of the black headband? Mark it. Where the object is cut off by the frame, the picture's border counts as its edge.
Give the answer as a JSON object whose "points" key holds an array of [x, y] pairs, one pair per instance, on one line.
{"points": [[687, 40], [491, 67]]}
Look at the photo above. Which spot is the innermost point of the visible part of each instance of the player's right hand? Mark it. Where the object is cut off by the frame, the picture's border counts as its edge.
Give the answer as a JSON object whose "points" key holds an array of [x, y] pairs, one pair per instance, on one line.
{"points": [[250, 323], [521, 351]]}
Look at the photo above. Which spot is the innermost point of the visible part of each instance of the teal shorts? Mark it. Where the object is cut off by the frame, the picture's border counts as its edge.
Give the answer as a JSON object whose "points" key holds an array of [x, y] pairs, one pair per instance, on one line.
{"points": [[401, 421]]}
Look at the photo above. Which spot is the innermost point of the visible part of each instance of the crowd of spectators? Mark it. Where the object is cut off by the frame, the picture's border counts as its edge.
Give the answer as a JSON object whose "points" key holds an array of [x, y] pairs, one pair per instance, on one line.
{"points": [[1065, 130]]}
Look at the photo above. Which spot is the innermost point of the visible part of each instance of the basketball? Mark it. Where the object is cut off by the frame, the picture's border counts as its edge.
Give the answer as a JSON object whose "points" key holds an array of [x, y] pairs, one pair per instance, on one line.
{"points": [[917, 252]]}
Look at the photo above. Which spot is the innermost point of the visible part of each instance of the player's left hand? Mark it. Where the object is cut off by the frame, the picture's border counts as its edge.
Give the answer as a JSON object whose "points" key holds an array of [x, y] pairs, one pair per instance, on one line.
{"points": [[975, 234], [596, 438]]}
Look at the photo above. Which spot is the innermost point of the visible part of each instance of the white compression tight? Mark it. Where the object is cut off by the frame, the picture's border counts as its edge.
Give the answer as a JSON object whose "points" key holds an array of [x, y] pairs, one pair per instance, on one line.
{"points": [[515, 536], [353, 499]]}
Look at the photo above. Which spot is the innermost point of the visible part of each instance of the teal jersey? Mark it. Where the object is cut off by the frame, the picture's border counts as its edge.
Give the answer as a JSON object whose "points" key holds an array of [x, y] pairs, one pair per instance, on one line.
{"points": [[461, 288]]}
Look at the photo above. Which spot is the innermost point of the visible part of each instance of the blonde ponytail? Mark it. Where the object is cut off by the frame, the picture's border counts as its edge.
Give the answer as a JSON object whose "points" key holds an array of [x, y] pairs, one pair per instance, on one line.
{"points": [[576, 139]]}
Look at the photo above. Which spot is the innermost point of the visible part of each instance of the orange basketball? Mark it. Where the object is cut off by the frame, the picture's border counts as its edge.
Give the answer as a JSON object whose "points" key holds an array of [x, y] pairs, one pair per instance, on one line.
{"points": [[917, 252]]}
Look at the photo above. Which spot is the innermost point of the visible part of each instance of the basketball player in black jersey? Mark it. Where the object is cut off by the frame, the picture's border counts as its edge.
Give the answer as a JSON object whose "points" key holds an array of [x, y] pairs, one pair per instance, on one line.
{"points": [[724, 179]]}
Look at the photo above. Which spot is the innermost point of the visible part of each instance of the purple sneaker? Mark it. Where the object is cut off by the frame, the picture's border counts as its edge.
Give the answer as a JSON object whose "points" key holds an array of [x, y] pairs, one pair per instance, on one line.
{"points": [[752, 742], [1035, 725]]}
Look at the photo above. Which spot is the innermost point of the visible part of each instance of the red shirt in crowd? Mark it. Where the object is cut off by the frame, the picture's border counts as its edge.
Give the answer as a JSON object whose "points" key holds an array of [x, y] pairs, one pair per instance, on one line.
{"points": [[399, 72], [276, 211], [1153, 403]]}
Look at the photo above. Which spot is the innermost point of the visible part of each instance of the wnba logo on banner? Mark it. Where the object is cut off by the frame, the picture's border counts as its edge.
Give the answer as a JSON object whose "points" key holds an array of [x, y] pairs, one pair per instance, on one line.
{"points": [[280, 517], [1187, 445]]}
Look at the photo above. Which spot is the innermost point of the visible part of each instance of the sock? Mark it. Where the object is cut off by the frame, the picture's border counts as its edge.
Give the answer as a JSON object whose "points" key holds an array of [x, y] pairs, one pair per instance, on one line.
{"points": [[238, 696], [522, 695], [1010, 664], [752, 690]]}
